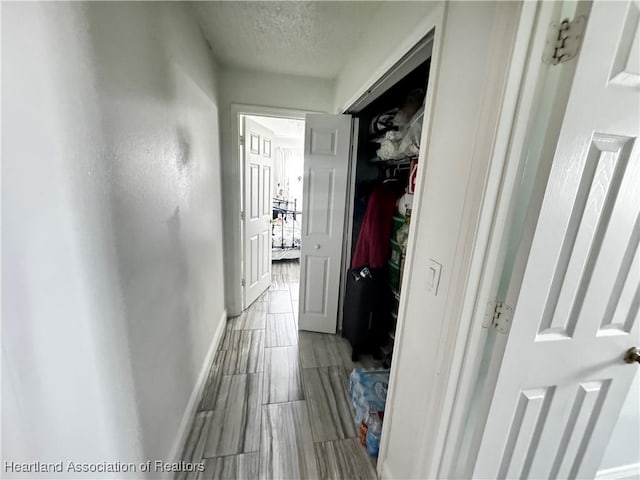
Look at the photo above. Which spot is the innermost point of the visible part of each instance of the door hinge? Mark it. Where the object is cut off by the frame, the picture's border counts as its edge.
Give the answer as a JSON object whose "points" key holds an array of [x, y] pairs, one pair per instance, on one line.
{"points": [[242, 140], [242, 282], [498, 316], [241, 215], [564, 40]]}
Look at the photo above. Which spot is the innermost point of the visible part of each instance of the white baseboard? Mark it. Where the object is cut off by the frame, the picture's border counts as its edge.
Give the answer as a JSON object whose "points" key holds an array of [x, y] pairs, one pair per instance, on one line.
{"points": [[631, 471], [192, 405]]}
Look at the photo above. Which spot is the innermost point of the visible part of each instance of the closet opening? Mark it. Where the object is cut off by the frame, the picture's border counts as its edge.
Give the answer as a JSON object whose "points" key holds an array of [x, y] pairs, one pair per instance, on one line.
{"points": [[377, 225], [384, 175]]}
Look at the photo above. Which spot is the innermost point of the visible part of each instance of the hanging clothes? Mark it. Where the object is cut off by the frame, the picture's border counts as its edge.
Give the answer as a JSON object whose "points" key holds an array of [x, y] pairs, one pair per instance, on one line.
{"points": [[373, 245]]}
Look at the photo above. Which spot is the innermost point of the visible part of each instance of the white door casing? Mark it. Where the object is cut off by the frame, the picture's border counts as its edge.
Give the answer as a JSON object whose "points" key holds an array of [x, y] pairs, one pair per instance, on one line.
{"points": [[562, 379], [326, 164], [258, 169]]}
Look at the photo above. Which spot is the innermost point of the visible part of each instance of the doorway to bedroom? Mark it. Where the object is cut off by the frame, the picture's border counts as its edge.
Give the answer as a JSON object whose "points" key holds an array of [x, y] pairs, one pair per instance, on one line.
{"points": [[273, 150]]}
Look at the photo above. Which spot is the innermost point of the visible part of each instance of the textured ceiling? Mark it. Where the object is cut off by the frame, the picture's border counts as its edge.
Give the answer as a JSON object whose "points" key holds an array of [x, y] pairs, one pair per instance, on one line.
{"points": [[295, 37]]}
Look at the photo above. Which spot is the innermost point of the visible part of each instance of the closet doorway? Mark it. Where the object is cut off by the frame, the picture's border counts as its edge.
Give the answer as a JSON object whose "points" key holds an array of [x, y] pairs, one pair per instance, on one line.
{"points": [[360, 173], [273, 155]]}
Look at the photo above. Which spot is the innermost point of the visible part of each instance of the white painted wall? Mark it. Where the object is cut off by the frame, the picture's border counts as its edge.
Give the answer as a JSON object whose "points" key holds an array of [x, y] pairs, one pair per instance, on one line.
{"points": [[112, 246], [266, 90], [394, 29]]}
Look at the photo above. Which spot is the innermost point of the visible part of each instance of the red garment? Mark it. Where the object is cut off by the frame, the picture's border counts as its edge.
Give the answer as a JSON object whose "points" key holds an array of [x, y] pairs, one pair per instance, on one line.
{"points": [[373, 245]]}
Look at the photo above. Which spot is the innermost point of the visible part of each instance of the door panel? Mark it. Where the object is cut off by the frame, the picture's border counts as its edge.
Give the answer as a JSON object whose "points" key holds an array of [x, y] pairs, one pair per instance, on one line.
{"points": [[266, 253], [254, 175], [321, 188], [266, 189], [254, 246], [563, 380], [326, 165], [316, 274], [626, 65], [257, 201]]}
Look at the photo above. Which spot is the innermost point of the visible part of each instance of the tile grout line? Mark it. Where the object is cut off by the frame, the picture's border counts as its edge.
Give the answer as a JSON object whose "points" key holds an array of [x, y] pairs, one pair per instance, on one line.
{"points": [[261, 446]]}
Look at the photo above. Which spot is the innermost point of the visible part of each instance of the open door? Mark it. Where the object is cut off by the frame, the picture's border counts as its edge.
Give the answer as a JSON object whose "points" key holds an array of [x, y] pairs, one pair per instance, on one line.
{"points": [[564, 377], [326, 166], [258, 168]]}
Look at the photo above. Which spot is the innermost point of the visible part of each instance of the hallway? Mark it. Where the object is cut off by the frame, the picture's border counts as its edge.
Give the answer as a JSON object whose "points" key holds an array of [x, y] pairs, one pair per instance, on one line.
{"points": [[275, 404]]}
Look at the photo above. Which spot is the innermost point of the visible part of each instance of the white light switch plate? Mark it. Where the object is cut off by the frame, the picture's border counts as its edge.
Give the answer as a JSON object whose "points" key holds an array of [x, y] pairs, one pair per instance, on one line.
{"points": [[433, 276]]}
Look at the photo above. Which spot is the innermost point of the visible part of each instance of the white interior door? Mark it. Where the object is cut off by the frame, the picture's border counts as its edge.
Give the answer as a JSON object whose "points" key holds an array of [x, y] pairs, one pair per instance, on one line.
{"points": [[258, 168], [563, 380], [327, 145]]}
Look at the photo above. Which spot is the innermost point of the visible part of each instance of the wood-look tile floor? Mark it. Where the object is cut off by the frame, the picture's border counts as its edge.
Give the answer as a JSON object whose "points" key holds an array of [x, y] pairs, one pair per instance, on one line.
{"points": [[275, 405]]}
